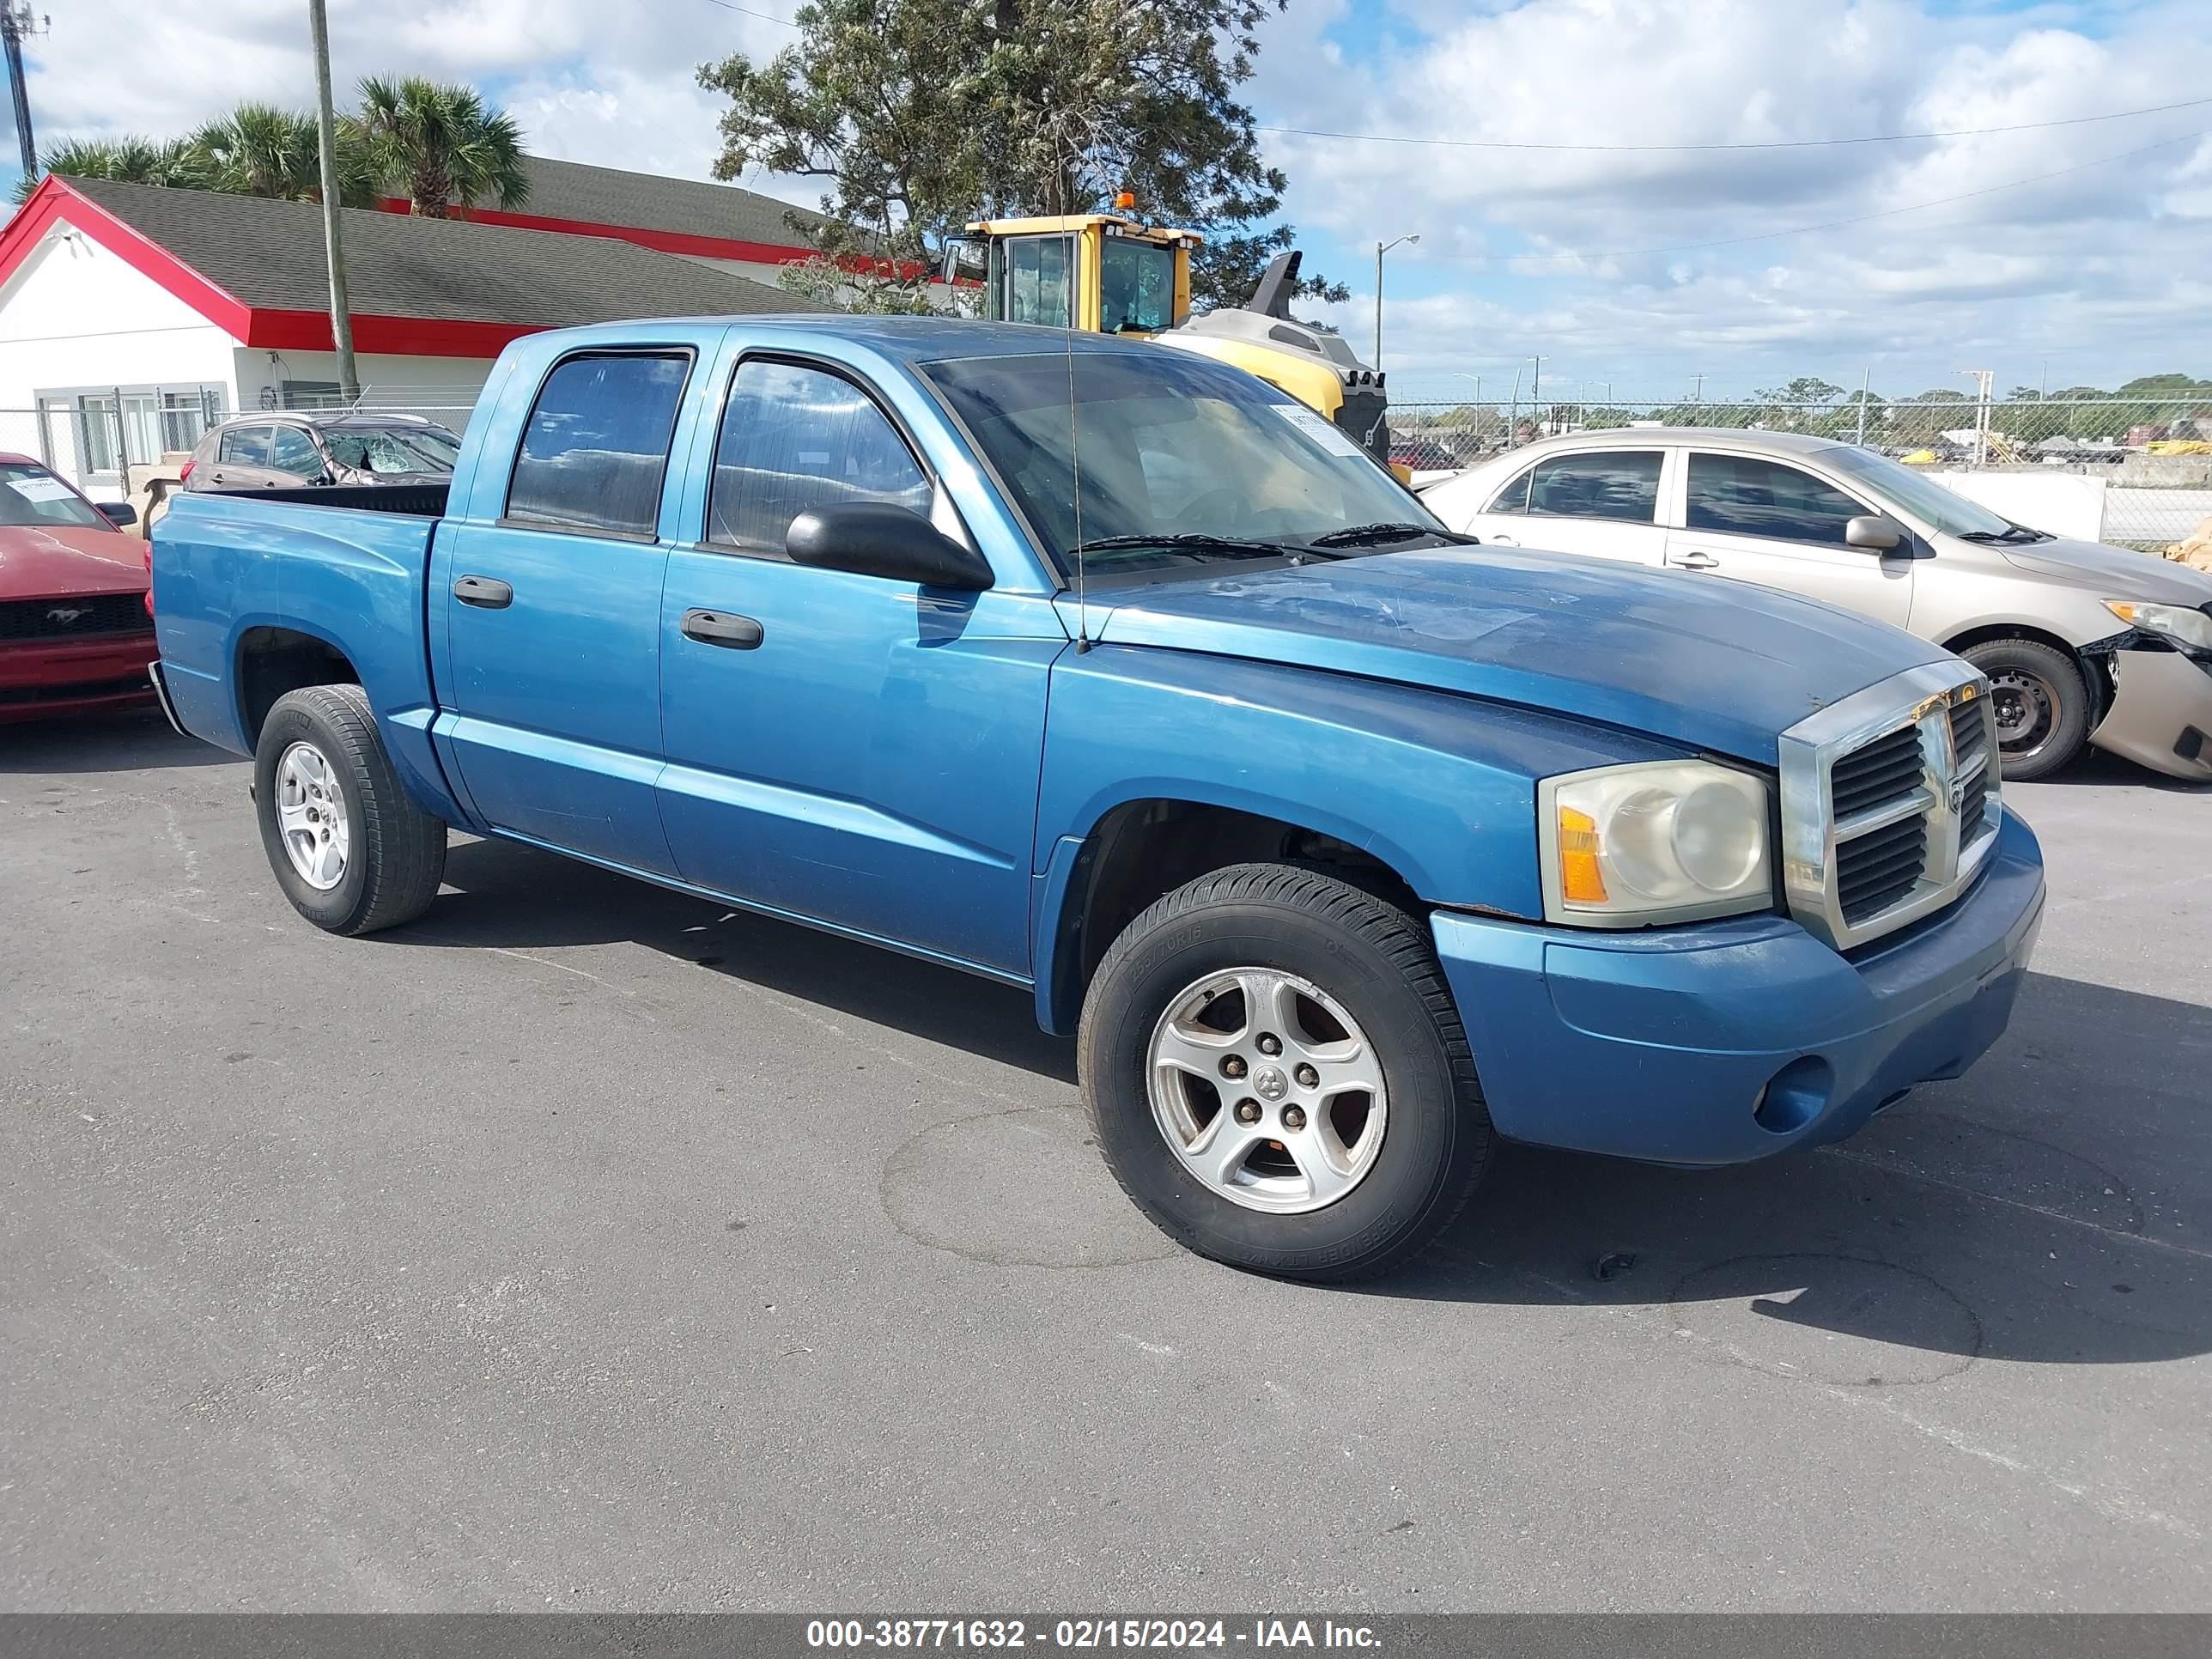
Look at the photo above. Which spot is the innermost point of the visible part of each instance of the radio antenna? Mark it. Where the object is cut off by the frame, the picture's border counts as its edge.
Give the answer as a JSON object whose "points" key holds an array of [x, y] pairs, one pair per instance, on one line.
{"points": [[1075, 449]]}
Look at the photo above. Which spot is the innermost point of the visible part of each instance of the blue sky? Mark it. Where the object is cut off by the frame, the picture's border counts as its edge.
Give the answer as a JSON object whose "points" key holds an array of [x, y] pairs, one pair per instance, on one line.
{"points": [[2100, 268]]}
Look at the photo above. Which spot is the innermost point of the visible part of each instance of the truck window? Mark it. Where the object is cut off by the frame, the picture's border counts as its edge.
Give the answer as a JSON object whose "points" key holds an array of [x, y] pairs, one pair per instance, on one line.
{"points": [[793, 438], [1621, 484], [1741, 496], [596, 449]]}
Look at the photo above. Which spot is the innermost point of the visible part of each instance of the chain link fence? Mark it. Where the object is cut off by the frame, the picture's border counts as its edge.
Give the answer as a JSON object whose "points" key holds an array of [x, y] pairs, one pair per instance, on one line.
{"points": [[2146, 463]]}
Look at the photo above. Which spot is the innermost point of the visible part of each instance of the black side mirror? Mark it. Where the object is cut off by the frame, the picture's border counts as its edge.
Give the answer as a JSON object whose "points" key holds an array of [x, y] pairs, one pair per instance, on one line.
{"points": [[874, 539], [1874, 533], [121, 515]]}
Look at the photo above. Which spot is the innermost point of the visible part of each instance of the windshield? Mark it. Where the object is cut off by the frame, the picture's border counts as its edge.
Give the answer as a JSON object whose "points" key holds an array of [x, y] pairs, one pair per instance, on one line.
{"points": [[386, 450], [1168, 444], [1919, 494], [32, 495], [1136, 288]]}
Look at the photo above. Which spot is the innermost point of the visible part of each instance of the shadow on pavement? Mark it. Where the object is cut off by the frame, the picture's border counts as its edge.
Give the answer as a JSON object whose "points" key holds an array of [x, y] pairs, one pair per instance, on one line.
{"points": [[1986, 1218], [137, 740], [518, 897]]}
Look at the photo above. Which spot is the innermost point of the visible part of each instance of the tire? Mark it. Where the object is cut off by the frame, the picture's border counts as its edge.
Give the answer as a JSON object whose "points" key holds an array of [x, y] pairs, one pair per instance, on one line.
{"points": [[393, 853], [2056, 723], [1371, 960]]}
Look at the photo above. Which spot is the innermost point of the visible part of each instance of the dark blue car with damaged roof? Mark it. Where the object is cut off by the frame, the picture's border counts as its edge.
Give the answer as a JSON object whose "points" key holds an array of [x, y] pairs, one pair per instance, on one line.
{"points": [[1346, 846]]}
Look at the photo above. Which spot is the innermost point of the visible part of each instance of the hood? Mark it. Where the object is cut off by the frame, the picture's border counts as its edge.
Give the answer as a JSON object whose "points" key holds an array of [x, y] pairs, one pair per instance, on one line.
{"points": [[52, 561], [361, 476], [1715, 665], [2118, 572]]}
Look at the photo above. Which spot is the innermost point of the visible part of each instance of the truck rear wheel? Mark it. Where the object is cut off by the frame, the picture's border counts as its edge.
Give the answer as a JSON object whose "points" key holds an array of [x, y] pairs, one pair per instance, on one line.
{"points": [[350, 849], [1277, 1075]]}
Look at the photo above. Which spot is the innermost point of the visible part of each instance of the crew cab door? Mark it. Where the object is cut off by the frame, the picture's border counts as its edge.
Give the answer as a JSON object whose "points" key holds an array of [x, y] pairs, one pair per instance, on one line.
{"points": [[1750, 519], [847, 749], [1601, 502], [549, 597]]}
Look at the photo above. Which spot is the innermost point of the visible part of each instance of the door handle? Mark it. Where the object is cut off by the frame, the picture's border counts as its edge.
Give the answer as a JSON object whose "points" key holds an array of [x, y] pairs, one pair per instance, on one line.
{"points": [[1695, 560], [485, 592], [722, 627]]}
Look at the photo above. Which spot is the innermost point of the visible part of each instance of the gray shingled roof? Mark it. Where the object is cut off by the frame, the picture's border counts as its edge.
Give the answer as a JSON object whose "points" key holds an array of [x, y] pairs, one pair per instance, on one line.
{"points": [[645, 201], [270, 254]]}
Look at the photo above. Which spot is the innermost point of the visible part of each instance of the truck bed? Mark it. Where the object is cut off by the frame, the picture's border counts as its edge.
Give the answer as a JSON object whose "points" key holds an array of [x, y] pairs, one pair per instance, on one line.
{"points": [[414, 500]]}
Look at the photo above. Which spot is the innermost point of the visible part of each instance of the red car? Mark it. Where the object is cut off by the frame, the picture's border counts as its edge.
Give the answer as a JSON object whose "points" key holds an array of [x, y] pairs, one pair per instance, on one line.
{"points": [[76, 623]]}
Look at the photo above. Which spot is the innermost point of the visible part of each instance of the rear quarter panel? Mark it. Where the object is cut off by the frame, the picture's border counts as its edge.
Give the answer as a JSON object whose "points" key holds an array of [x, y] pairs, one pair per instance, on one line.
{"points": [[225, 566]]}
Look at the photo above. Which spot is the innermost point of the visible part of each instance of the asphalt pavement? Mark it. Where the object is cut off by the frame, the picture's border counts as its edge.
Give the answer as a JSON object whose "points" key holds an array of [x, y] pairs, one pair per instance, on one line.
{"points": [[585, 1246]]}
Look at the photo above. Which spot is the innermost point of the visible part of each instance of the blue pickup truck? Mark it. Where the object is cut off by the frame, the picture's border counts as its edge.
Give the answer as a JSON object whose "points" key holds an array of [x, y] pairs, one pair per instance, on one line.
{"points": [[1345, 846]]}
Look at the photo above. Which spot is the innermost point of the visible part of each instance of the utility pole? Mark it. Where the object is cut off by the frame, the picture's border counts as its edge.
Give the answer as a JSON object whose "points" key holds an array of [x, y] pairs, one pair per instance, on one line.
{"points": [[1866, 387], [15, 22], [1537, 398], [319, 24], [1698, 396]]}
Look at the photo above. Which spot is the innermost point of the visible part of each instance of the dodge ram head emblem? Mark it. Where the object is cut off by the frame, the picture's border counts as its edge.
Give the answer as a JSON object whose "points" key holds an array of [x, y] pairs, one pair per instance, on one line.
{"points": [[1958, 793], [62, 615]]}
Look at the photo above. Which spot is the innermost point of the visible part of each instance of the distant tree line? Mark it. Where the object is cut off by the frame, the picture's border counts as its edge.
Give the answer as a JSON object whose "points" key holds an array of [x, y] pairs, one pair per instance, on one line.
{"points": [[438, 146]]}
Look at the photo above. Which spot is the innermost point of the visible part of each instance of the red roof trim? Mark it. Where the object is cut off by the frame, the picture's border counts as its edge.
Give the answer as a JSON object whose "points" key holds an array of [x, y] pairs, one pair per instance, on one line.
{"points": [[398, 337], [53, 201], [661, 241]]}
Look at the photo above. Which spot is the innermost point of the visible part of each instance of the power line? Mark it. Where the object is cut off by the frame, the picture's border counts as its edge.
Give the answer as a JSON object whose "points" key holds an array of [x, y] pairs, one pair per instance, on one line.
{"points": [[1762, 143], [765, 17], [1831, 224]]}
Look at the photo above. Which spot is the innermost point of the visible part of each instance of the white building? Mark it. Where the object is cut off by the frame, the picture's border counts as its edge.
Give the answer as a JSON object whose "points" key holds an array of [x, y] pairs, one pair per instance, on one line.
{"points": [[132, 316]]}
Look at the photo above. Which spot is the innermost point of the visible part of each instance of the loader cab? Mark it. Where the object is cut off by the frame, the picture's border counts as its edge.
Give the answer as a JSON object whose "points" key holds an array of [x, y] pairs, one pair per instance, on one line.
{"points": [[1099, 272]]}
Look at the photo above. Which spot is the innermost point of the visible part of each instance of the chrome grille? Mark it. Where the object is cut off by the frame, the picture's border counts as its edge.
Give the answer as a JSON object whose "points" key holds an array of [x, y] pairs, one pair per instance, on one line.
{"points": [[1883, 771], [1889, 803], [1880, 867]]}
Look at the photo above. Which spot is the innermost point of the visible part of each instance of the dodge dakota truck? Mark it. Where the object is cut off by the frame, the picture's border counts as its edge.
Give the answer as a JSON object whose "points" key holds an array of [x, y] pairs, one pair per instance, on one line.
{"points": [[1343, 847]]}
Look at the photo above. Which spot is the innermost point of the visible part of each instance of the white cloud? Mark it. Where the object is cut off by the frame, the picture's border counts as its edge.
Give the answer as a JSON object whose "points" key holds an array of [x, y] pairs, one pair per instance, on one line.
{"points": [[1530, 250]]}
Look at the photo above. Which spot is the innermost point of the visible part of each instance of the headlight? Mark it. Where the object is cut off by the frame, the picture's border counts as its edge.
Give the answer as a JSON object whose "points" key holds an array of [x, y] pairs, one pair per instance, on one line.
{"points": [[2190, 629], [1662, 840]]}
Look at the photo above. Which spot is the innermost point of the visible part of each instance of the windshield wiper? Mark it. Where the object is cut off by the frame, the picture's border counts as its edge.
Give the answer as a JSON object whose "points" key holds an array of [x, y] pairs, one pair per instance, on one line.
{"points": [[2011, 532], [1235, 546], [1371, 535]]}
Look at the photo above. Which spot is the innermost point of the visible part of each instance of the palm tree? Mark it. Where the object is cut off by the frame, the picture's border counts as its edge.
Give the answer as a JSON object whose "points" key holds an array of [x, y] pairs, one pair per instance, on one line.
{"points": [[177, 164], [440, 146], [260, 150]]}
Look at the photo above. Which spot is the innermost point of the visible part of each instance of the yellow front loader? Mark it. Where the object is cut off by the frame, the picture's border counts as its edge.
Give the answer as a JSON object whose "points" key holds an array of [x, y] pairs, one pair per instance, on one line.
{"points": [[1106, 273]]}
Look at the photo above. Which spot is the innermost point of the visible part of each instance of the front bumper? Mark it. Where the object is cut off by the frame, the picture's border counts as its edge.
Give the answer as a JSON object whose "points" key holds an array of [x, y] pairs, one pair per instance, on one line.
{"points": [[2161, 713], [39, 678], [1726, 1042]]}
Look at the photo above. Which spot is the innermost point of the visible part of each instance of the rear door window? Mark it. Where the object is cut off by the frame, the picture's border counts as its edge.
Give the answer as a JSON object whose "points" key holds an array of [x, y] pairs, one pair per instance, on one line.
{"points": [[595, 452], [1739, 495], [795, 438], [245, 446], [1617, 484]]}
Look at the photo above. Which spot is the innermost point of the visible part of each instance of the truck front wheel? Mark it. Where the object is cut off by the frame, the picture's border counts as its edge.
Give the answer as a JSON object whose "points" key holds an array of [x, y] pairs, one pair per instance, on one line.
{"points": [[351, 851], [1277, 1075]]}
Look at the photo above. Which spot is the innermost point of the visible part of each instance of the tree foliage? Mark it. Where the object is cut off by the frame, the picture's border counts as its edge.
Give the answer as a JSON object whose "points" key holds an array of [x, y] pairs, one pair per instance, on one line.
{"points": [[919, 116], [438, 146], [175, 164]]}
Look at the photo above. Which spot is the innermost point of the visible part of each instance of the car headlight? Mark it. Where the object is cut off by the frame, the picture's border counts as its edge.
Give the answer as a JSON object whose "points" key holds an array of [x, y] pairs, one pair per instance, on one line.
{"points": [[2190, 629], [1655, 841]]}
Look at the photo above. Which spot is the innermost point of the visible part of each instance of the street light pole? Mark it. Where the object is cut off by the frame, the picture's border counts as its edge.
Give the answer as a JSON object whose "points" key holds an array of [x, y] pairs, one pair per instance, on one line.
{"points": [[1381, 248], [319, 24]]}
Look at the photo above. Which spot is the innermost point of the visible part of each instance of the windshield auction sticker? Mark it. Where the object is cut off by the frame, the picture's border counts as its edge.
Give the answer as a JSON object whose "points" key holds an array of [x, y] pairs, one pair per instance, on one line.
{"points": [[1328, 436]]}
